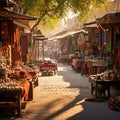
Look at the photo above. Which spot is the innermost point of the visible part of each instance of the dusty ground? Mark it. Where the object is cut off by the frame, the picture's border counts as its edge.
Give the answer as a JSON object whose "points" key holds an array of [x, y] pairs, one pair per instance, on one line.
{"points": [[62, 97]]}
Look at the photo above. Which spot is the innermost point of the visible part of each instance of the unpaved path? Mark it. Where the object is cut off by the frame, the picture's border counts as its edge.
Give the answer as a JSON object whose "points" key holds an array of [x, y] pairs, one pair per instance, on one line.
{"points": [[62, 97]]}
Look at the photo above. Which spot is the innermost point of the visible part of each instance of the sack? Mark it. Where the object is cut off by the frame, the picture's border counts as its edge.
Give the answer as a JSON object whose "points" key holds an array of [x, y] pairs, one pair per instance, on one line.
{"points": [[114, 103]]}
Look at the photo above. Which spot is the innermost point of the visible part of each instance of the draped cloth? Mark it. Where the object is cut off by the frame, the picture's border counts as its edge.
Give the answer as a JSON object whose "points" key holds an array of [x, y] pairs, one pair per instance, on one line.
{"points": [[105, 37], [16, 54], [26, 87], [110, 41], [16, 36], [24, 44], [117, 48]]}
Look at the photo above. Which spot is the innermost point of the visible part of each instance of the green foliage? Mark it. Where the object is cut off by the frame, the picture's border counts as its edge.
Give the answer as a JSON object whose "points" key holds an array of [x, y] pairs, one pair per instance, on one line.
{"points": [[52, 10], [79, 6], [49, 26]]}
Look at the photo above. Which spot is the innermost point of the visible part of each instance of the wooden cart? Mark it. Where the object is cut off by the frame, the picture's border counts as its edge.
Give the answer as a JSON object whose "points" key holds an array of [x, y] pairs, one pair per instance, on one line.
{"points": [[47, 68]]}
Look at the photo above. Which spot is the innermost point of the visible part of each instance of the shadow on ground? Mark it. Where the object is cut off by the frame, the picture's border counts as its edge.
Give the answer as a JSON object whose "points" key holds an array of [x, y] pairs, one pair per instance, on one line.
{"points": [[85, 110]]}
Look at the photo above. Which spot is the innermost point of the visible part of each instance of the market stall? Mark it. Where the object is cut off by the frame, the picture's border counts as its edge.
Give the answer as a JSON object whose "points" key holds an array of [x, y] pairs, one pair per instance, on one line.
{"points": [[102, 83], [48, 68], [18, 85], [109, 40], [15, 87], [105, 78]]}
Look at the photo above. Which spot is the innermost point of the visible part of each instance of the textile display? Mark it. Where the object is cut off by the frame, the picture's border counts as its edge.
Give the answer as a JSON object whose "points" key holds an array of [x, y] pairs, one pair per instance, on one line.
{"points": [[16, 35], [26, 87], [117, 48], [105, 37], [16, 54], [110, 41], [24, 44]]}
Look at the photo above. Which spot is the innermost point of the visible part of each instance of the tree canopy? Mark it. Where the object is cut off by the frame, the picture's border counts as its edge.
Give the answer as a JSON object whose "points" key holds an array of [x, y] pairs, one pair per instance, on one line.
{"points": [[53, 10]]}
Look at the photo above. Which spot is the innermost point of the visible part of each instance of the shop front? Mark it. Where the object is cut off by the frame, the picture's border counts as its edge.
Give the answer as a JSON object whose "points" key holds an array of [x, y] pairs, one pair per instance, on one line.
{"points": [[109, 26], [107, 83], [16, 79]]}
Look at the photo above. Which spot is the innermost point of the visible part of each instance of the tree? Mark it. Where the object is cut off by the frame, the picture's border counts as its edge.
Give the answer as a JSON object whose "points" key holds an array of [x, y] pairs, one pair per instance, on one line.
{"points": [[46, 10]]}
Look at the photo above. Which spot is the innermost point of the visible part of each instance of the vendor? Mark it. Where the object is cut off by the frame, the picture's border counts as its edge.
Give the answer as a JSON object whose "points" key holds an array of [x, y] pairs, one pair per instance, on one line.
{"points": [[77, 54], [88, 53]]}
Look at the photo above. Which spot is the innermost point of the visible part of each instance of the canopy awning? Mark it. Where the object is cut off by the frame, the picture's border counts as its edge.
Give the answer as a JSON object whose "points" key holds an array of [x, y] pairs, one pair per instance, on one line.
{"points": [[19, 19], [66, 33], [110, 18], [39, 38], [22, 23], [90, 23]]}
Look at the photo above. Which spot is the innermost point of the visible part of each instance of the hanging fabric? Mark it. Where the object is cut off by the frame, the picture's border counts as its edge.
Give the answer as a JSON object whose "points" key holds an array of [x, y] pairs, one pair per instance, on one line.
{"points": [[117, 48], [16, 53], [115, 43], [105, 37], [24, 44], [110, 41]]}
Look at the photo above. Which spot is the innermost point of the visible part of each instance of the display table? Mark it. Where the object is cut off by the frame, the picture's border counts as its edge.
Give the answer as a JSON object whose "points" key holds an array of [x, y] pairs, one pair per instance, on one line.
{"points": [[11, 99], [13, 93], [98, 66], [48, 66], [105, 85]]}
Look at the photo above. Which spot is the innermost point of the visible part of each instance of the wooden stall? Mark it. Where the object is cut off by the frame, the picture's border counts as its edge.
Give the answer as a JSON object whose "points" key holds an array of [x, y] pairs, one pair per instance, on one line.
{"points": [[102, 83], [14, 89], [10, 98], [109, 38], [108, 81]]}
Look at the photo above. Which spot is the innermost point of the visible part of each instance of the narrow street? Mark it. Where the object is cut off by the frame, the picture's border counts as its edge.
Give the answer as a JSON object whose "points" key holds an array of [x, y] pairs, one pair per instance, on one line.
{"points": [[37, 37], [58, 97], [62, 97]]}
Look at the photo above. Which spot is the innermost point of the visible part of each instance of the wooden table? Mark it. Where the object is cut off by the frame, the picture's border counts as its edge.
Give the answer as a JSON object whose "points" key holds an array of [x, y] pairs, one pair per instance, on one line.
{"points": [[107, 83], [98, 66]]}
